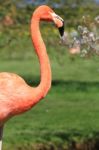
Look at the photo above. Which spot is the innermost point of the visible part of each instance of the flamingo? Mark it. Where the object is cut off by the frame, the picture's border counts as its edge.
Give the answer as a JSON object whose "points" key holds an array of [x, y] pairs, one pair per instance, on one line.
{"points": [[16, 96]]}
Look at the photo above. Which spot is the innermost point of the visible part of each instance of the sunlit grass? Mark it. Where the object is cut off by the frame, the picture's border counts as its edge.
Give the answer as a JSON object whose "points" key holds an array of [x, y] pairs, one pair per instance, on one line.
{"points": [[73, 114], [70, 108]]}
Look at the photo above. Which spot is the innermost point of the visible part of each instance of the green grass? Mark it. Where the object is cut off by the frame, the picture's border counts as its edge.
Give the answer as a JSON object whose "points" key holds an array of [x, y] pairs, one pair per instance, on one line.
{"points": [[70, 110]]}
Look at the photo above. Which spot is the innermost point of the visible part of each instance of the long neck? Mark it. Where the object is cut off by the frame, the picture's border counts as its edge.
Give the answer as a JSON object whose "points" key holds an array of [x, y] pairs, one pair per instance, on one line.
{"points": [[40, 49]]}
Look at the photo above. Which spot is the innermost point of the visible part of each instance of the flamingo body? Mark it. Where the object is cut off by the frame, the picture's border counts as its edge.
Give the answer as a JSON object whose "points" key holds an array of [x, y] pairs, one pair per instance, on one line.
{"points": [[15, 96]]}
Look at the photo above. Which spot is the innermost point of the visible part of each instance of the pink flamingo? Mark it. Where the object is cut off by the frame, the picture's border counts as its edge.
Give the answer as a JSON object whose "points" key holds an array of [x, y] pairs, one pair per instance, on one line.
{"points": [[16, 96]]}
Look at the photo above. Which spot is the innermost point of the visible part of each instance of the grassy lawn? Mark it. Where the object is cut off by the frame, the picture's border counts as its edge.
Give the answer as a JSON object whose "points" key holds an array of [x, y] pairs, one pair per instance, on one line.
{"points": [[70, 110]]}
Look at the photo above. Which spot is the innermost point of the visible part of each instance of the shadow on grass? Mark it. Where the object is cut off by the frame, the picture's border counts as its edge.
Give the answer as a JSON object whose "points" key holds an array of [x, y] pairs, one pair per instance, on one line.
{"points": [[68, 85], [70, 141]]}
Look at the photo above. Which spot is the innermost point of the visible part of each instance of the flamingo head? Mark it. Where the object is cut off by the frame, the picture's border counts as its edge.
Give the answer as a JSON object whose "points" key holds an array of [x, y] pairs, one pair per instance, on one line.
{"points": [[45, 13]]}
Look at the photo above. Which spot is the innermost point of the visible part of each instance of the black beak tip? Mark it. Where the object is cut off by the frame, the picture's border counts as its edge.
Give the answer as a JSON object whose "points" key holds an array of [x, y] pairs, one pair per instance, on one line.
{"points": [[61, 30]]}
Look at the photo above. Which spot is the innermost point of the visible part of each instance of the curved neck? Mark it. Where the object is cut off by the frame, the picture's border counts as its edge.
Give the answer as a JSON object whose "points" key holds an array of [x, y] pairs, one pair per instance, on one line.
{"points": [[40, 49]]}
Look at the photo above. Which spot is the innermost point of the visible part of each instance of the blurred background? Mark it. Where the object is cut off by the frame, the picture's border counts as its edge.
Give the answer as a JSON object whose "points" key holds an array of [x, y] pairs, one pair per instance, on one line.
{"points": [[68, 118]]}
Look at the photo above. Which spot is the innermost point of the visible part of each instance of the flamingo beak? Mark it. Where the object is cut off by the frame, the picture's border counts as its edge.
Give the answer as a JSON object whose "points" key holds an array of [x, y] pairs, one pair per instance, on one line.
{"points": [[59, 22], [61, 29]]}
